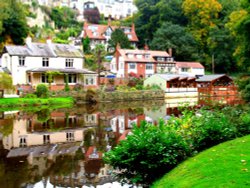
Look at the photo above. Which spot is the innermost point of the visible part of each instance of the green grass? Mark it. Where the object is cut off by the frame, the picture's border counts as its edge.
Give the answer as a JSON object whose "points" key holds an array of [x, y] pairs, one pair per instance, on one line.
{"points": [[223, 166], [28, 102]]}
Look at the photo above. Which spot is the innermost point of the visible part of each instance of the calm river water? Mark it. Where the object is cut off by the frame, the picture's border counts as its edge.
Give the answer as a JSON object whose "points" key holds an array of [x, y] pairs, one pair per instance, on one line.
{"points": [[64, 147]]}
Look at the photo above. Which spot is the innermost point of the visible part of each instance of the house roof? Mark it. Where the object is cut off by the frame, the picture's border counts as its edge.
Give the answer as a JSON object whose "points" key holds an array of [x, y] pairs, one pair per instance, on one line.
{"points": [[44, 50], [151, 55], [96, 31], [209, 78], [169, 77], [67, 70], [189, 65]]}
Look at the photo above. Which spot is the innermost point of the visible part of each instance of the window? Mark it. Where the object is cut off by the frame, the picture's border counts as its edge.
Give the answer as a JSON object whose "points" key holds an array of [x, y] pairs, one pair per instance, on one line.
{"points": [[129, 36], [21, 61], [70, 136], [72, 78], [132, 65], [121, 66], [45, 62], [90, 81], [147, 56], [46, 139], [149, 66], [170, 59], [130, 55], [184, 69], [45, 79], [69, 62], [139, 56], [22, 142], [160, 59]]}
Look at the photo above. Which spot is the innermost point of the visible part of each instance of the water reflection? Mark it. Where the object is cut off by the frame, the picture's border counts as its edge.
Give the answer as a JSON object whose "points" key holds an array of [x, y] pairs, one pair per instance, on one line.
{"points": [[64, 147]]}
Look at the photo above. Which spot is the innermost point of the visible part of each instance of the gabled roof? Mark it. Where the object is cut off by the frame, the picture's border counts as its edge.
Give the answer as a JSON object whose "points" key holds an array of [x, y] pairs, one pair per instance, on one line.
{"points": [[189, 65], [44, 50], [151, 55], [169, 77], [209, 78], [96, 31]]}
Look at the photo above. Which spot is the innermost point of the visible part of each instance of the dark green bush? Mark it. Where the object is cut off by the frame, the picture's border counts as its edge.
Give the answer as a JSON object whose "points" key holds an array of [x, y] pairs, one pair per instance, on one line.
{"points": [[148, 153], [42, 91]]}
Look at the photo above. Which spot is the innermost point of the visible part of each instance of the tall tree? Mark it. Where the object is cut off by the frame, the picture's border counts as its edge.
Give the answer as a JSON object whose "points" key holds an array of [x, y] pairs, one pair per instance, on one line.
{"points": [[175, 37], [118, 36], [14, 24]]}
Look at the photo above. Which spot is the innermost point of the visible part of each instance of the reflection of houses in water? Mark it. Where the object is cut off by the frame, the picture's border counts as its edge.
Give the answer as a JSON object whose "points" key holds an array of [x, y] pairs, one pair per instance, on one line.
{"points": [[58, 127]]}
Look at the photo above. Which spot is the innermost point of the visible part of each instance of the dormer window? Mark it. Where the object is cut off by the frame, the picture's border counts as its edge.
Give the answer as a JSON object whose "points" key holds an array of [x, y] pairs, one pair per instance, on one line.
{"points": [[129, 36], [147, 56], [160, 59], [170, 59], [139, 56], [130, 55], [69, 62]]}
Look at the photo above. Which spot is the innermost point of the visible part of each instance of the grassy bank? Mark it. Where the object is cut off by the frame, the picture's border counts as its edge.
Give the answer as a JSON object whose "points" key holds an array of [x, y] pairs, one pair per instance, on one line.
{"points": [[26, 102], [225, 165]]}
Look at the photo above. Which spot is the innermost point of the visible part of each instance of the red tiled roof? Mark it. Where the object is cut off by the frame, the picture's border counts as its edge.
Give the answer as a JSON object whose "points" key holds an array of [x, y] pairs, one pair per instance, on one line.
{"points": [[124, 53], [100, 30], [189, 65]]}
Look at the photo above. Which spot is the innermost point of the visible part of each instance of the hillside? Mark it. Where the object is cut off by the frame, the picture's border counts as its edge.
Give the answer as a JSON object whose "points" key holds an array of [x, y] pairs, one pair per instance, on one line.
{"points": [[225, 165]]}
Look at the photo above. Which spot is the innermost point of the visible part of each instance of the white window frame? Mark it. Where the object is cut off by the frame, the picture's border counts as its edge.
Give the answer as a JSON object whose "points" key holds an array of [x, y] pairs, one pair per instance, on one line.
{"points": [[133, 65], [45, 62], [21, 61], [69, 63], [149, 66]]}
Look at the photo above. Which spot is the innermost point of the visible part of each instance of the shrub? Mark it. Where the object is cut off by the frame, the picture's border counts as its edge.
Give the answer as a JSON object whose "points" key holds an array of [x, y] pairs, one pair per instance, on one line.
{"points": [[30, 96], [42, 91], [148, 153]]}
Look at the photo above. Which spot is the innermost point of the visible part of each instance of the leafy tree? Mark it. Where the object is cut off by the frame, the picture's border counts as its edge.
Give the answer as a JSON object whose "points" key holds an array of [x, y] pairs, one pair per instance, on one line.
{"points": [[13, 21], [42, 91], [118, 36], [63, 17], [6, 82], [177, 38], [86, 45], [239, 26]]}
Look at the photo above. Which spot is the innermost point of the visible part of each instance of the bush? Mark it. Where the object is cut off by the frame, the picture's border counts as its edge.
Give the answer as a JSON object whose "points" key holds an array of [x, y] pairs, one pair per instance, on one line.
{"points": [[42, 91], [30, 96], [148, 153]]}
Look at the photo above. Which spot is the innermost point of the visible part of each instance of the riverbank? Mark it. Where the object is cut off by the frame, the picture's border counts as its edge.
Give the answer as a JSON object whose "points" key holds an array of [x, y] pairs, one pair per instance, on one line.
{"points": [[25, 102]]}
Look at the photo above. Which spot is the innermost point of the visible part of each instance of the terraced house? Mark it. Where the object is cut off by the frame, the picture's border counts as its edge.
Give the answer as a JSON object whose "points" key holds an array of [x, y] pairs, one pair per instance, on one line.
{"points": [[31, 64]]}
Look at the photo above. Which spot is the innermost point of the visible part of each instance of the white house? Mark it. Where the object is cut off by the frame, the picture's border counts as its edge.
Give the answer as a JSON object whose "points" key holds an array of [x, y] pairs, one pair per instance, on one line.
{"points": [[190, 68], [29, 64]]}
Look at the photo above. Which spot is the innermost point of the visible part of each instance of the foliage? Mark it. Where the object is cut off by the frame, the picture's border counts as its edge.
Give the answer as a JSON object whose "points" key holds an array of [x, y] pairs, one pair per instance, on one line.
{"points": [[244, 86], [213, 168], [30, 96], [171, 142], [175, 37], [42, 91], [63, 17], [43, 115], [86, 45], [91, 60], [66, 86], [137, 155], [13, 24], [119, 37], [6, 81]]}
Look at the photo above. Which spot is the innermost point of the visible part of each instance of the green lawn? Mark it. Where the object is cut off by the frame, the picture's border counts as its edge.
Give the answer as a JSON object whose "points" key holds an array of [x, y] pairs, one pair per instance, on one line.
{"points": [[223, 166], [24, 102]]}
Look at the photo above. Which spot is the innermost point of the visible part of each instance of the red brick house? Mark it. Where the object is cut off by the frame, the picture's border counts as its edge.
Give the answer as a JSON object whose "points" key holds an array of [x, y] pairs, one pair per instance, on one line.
{"points": [[142, 63], [100, 34]]}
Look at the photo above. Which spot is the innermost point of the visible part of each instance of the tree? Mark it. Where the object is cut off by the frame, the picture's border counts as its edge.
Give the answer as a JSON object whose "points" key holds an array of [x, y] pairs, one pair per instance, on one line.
{"points": [[118, 36], [14, 24], [177, 38], [86, 45], [6, 82]]}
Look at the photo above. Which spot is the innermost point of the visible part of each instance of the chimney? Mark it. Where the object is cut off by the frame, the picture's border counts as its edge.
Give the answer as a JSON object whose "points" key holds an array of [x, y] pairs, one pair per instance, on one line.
{"points": [[133, 28], [118, 46], [146, 47], [109, 21], [170, 52], [49, 41], [28, 41]]}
